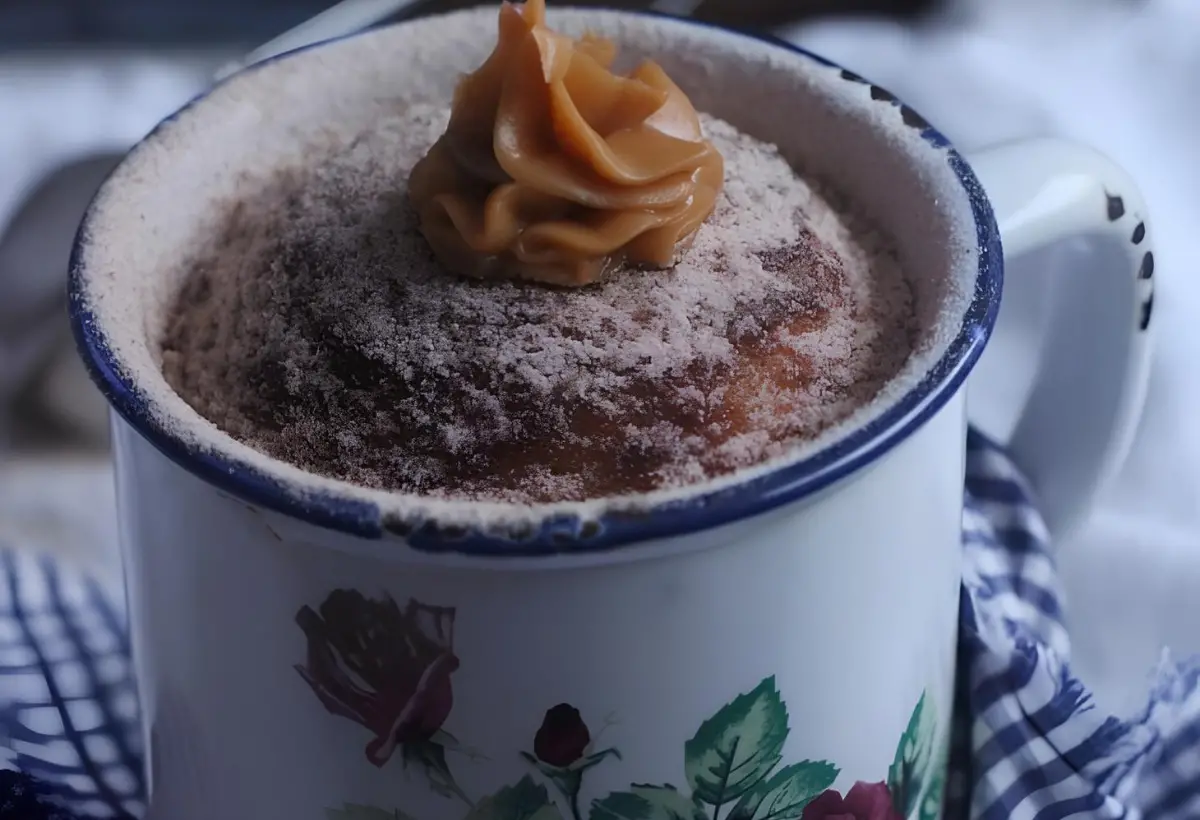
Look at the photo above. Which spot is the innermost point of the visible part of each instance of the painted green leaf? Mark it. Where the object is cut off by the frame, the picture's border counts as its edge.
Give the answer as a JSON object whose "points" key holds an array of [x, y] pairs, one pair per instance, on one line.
{"points": [[644, 802], [431, 757], [738, 746], [452, 744], [523, 801], [354, 811], [935, 794], [911, 769], [783, 795], [931, 804]]}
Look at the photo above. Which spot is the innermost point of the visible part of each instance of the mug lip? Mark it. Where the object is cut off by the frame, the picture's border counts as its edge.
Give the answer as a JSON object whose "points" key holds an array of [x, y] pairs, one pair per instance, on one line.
{"points": [[570, 533]]}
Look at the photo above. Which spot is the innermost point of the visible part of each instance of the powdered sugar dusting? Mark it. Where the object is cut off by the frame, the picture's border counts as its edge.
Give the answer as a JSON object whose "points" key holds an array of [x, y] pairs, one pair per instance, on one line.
{"points": [[177, 187], [319, 329]]}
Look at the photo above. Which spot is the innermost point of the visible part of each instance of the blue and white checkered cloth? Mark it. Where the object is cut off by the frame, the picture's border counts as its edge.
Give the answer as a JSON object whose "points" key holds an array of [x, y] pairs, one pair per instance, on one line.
{"points": [[1028, 742]]}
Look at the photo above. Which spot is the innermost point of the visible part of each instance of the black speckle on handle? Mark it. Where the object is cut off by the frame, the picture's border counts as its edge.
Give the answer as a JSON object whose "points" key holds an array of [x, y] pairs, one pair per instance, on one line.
{"points": [[1116, 207], [852, 77], [1147, 269], [1139, 233], [1147, 309]]}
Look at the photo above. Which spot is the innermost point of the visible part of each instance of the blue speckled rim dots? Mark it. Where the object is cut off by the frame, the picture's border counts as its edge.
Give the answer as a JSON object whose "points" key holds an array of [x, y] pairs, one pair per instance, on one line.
{"points": [[570, 534]]}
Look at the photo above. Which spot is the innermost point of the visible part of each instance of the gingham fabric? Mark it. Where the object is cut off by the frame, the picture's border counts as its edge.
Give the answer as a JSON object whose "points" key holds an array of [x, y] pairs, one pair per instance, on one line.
{"points": [[68, 708], [1028, 744]]}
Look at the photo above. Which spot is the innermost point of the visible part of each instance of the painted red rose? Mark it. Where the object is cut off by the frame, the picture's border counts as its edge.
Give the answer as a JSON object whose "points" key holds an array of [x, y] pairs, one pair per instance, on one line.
{"points": [[562, 738], [864, 801], [385, 668]]}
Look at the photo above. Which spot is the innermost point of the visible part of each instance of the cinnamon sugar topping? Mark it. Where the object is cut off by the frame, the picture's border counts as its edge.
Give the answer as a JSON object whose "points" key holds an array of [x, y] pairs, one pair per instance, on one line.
{"points": [[318, 328], [554, 168]]}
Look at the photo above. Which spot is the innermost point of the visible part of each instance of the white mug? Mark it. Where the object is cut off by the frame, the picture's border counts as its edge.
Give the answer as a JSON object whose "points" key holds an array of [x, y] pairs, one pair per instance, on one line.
{"points": [[774, 645]]}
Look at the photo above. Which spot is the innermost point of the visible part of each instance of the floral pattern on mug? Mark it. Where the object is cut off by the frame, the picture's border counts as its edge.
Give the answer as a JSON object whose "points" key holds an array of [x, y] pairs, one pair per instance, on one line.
{"points": [[913, 771], [562, 738], [864, 801], [389, 670], [563, 751]]}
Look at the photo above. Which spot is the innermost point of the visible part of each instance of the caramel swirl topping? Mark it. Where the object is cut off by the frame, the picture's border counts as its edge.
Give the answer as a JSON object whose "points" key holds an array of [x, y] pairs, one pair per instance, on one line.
{"points": [[555, 168]]}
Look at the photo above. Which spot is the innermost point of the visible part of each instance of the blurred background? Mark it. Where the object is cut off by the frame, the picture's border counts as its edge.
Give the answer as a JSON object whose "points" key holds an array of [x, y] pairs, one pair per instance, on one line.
{"points": [[81, 80], [39, 24]]}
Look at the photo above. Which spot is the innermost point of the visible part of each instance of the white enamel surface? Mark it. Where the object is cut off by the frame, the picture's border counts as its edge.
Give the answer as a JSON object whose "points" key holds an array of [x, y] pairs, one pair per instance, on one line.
{"points": [[850, 600], [1063, 379]]}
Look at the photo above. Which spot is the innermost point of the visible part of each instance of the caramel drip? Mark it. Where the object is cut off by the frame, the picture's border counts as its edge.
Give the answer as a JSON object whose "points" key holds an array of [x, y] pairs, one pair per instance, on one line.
{"points": [[556, 169]]}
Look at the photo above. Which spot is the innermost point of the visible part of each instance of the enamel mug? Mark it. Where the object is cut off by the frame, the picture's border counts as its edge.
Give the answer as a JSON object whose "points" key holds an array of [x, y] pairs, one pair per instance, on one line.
{"points": [[774, 645]]}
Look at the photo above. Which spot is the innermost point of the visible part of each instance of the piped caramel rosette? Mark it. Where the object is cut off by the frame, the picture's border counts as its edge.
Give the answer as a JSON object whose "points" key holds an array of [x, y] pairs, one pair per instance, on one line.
{"points": [[554, 168]]}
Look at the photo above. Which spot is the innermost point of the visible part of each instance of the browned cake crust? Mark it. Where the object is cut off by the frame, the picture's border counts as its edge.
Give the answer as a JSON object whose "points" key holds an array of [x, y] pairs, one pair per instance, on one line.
{"points": [[319, 329]]}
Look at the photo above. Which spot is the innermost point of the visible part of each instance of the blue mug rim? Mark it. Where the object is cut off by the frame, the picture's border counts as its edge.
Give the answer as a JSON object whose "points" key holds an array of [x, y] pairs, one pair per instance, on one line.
{"points": [[570, 533]]}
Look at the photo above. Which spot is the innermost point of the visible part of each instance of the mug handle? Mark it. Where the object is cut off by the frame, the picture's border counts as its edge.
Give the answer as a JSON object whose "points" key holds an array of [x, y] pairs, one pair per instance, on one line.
{"points": [[1063, 380]]}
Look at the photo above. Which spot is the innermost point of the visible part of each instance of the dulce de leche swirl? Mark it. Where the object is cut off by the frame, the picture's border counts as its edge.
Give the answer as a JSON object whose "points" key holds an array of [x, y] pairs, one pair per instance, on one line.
{"points": [[556, 169]]}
